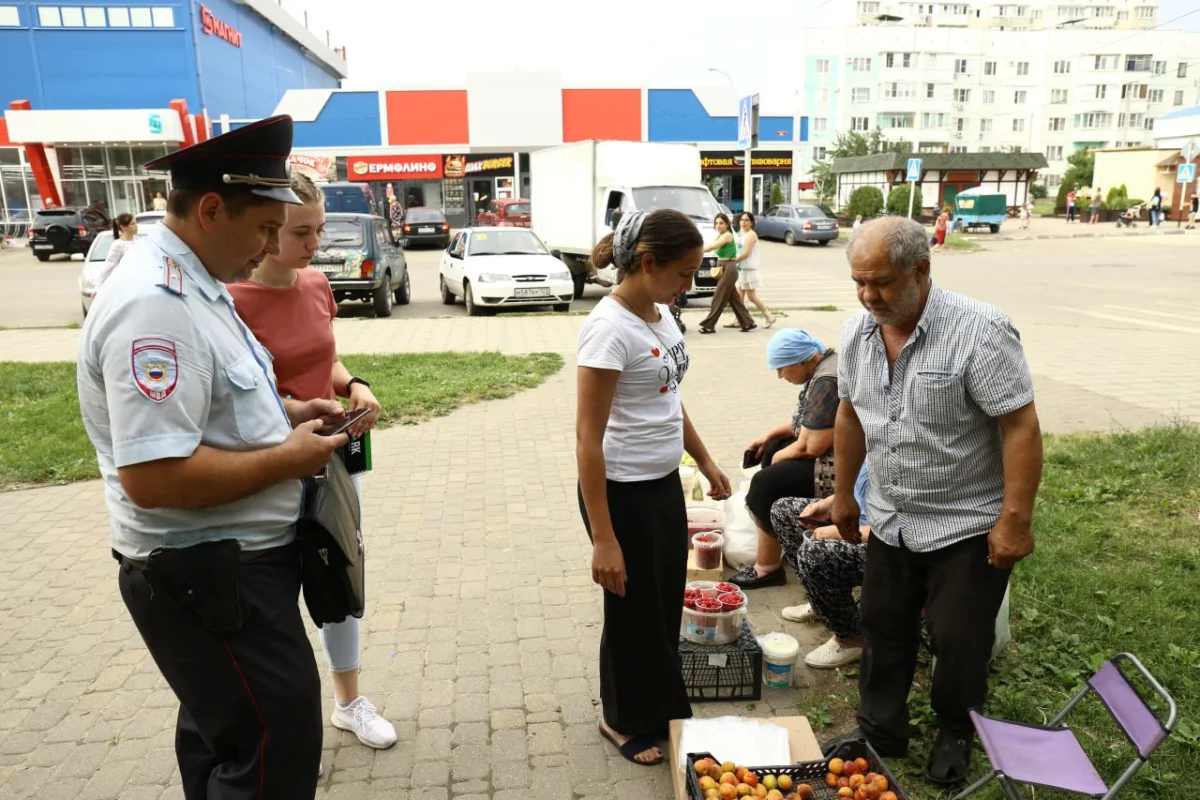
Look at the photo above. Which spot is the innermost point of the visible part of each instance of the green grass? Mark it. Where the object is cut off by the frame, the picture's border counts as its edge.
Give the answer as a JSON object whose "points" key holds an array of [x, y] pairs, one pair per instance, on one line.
{"points": [[961, 243], [1044, 207], [1116, 569], [42, 439]]}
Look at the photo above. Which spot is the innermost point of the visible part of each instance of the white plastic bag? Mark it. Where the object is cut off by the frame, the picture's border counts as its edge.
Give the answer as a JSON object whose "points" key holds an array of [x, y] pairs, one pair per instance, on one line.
{"points": [[741, 536], [736, 739]]}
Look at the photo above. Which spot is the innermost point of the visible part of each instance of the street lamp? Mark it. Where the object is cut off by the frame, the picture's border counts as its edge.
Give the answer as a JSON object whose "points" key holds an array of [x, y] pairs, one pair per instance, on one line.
{"points": [[723, 73]]}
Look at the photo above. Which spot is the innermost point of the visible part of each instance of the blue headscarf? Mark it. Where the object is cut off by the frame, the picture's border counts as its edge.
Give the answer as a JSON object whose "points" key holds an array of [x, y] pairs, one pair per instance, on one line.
{"points": [[792, 346]]}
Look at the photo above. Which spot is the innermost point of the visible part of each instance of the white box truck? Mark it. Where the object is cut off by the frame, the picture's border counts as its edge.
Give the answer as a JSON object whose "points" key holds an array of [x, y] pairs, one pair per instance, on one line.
{"points": [[575, 188]]}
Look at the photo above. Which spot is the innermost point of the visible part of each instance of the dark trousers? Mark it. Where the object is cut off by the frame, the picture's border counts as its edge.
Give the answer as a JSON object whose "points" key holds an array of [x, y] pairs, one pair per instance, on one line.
{"points": [[249, 702], [726, 293], [961, 594], [641, 678]]}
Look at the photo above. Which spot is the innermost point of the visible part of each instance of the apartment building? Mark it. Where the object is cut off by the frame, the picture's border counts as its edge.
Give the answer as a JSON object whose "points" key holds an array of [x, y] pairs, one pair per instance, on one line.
{"points": [[1042, 77]]}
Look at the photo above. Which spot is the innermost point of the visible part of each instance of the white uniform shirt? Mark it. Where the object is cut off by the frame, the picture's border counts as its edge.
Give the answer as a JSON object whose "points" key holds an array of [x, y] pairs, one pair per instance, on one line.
{"points": [[165, 365]]}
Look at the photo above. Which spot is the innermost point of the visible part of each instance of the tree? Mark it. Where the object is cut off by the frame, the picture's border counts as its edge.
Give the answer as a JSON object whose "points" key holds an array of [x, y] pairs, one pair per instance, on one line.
{"points": [[776, 194], [866, 201], [1039, 191], [848, 145], [1080, 171], [897, 200]]}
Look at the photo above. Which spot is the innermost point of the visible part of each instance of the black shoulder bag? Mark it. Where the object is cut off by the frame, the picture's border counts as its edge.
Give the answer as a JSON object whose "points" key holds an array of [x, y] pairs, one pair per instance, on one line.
{"points": [[331, 546]]}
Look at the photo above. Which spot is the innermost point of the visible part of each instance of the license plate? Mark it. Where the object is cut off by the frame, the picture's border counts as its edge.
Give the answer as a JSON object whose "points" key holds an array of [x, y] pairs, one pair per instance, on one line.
{"points": [[329, 269], [538, 292], [424, 230], [703, 273], [43, 247]]}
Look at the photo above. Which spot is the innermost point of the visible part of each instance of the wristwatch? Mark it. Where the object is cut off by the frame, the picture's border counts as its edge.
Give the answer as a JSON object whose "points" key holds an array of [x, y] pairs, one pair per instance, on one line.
{"points": [[350, 384]]}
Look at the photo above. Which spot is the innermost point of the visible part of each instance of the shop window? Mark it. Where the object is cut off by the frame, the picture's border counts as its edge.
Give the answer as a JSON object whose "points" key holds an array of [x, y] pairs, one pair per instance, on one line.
{"points": [[14, 202], [48, 17], [164, 17], [72, 16], [120, 162], [143, 154], [141, 18], [118, 17], [10, 17], [93, 17]]}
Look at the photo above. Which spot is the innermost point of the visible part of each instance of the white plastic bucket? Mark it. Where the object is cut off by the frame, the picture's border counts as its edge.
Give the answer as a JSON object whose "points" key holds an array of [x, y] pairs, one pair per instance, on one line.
{"points": [[780, 652]]}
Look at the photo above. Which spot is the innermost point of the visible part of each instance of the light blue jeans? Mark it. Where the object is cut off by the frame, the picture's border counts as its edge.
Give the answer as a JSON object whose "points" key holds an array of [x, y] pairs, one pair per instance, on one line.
{"points": [[340, 639]]}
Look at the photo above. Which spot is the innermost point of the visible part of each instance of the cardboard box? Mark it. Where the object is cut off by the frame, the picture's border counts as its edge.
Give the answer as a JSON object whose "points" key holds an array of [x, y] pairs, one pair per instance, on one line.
{"points": [[801, 741], [694, 573]]}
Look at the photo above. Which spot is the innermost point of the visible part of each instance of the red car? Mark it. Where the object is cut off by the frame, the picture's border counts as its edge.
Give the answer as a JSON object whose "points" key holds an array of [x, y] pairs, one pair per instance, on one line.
{"points": [[505, 214]]}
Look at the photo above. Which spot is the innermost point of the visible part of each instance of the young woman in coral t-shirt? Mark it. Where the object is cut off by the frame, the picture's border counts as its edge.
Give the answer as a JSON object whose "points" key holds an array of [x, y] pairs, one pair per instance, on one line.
{"points": [[291, 308]]}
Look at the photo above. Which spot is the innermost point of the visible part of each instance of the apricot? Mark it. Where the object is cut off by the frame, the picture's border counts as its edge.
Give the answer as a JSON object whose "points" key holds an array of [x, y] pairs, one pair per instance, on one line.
{"points": [[750, 779], [728, 766], [872, 791], [856, 781], [714, 771], [712, 794], [743, 790], [785, 782], [888, 796], [760, 791], [845, 791], [707, 783], [836, 765], [740, 774], [805, 792], [844, 781], [881, 781], [769, 781], [701, 766], [774, 794], [831, 780], [849, 768], [860, 794], [729, 779], [728, 792]]}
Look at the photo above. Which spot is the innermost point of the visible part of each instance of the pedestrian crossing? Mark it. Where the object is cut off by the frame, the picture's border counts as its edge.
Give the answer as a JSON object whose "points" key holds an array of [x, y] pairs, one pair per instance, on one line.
{"points": [[1154, 315], [783, 290]]}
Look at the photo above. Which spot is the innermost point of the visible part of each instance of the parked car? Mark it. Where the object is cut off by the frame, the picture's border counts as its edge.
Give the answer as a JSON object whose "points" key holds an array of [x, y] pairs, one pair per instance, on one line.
{"points": [[66, 230], [506, 213], [363, 262], [148, 218], [492, 268], [349, 198], [801, 222], [424, 226]]}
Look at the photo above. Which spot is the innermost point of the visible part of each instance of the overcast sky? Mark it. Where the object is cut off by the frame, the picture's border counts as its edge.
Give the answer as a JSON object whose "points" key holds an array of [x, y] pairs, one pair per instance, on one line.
{"points": [[399, 42]]}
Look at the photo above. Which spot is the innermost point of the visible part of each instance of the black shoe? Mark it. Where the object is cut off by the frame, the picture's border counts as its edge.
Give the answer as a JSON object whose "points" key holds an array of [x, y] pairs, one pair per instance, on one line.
{"points": [[748, 578], [951, 758], [895, 751]]}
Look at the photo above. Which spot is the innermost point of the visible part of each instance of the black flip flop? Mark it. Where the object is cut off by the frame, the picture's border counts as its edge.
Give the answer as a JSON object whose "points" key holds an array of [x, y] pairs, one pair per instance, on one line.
{"points": [[950, 759], [751, 327], [707, 330], [634, 747]]}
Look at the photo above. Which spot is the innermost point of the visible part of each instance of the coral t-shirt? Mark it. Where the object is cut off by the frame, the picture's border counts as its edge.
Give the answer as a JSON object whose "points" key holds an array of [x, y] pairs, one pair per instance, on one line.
{"points": [[296, 325]]}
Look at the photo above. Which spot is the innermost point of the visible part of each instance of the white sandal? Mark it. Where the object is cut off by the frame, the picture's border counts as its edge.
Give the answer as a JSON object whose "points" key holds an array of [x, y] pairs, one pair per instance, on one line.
{"points": [[832, 655], [802, 613]]}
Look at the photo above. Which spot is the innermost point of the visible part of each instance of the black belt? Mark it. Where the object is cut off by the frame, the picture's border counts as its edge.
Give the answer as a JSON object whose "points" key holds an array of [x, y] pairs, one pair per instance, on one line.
{"points": [[244, 557]]}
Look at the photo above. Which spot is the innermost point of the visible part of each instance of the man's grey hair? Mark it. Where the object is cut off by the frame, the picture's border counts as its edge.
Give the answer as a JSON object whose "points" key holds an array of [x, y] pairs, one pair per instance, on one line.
{"points": [[907, 241]]}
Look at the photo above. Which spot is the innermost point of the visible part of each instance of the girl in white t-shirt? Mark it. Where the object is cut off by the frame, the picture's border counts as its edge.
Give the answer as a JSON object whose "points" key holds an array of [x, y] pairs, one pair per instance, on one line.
{"points": [[631, 432]]}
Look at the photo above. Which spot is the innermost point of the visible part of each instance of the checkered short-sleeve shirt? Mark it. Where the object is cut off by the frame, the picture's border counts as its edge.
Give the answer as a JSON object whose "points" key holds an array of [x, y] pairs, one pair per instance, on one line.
{"points": [[933, 442]]}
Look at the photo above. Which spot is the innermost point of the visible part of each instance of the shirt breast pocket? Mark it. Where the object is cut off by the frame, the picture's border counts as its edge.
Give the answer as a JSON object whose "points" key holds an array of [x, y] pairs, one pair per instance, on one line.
{"points": [[939, 398], [254, 408]]}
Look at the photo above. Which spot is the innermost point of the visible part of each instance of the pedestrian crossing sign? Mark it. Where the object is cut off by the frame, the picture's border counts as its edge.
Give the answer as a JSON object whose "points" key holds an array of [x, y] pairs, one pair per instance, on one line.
{"points": [[748, 122], [1187, 173], [914, 169]]}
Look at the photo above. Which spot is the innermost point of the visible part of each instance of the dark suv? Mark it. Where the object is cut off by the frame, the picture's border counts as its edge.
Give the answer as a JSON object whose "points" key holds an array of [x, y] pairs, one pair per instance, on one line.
{"points": [[66, 230]]}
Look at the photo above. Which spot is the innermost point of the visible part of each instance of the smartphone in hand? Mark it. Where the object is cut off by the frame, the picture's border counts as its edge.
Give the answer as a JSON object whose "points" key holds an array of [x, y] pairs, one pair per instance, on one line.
{"points": [[344, 424]]}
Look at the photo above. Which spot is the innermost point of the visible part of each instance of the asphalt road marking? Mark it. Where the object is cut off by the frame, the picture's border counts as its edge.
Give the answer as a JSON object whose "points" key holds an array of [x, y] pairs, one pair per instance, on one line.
{"points": [[1132, 320]]}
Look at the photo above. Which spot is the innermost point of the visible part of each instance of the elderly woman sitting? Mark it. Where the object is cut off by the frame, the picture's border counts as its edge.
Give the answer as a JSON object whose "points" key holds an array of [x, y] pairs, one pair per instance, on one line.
{"points": [[796, 456]]}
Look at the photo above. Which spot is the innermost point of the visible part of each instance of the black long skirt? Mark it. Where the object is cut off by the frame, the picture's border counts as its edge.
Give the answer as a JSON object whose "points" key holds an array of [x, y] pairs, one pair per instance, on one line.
{"points": [[641, 682]]}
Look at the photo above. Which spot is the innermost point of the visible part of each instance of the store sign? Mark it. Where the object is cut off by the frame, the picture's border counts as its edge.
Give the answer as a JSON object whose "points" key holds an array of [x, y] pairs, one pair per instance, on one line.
{"points": [[764, 162], [315, 167], [155, 123], [215, 27], [458, 166], [383, 168]]}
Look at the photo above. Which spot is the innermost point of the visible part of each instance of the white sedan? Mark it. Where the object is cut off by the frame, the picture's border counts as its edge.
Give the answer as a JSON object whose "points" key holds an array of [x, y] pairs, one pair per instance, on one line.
{"points": [[492, 268]]}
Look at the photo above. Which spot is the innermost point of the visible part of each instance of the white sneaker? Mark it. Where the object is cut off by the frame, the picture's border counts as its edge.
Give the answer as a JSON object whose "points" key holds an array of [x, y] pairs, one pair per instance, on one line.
{"points": [[361, 719], [832, 655], [802, 613]]}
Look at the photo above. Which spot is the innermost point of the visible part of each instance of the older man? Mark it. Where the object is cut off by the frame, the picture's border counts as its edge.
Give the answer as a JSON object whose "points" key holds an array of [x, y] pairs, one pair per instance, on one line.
{"points": [[936, 394]]}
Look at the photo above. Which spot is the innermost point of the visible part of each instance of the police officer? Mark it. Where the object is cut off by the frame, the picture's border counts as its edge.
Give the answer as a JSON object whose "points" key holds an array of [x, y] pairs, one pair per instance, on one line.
{"points": [[202, 462]]}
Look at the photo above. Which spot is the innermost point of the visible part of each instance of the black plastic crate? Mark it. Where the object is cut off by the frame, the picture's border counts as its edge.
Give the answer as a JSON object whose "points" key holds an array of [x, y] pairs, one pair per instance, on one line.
{"points": [[811, 772], [723, 671]]}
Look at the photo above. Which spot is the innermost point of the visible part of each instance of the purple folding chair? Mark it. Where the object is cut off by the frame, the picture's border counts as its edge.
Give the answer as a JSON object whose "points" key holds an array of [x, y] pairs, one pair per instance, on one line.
{"points": [[1051, 756]]}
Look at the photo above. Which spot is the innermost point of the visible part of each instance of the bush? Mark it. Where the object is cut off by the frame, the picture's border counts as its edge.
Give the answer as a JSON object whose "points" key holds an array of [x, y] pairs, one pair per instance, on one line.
{"points": [[1039, 191], [1117, 198], [897, 200], [865, 200], [1065, 188], [776, 194]]}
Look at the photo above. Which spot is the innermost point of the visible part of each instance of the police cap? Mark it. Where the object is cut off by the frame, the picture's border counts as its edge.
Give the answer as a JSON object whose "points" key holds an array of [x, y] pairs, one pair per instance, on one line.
{"points": [[251, 159]]}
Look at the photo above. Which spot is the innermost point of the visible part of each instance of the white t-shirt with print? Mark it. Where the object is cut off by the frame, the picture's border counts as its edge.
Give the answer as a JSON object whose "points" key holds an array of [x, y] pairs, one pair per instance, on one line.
{"points": [[644, 437]]}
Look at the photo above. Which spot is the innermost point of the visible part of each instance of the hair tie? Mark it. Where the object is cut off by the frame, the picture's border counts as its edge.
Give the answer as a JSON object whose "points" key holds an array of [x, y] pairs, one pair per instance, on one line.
{"points": [[625, 238]]}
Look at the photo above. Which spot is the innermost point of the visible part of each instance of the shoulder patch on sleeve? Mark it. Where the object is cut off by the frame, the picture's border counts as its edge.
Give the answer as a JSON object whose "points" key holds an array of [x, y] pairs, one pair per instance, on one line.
{"points": [[172, 277], [155, 367]]}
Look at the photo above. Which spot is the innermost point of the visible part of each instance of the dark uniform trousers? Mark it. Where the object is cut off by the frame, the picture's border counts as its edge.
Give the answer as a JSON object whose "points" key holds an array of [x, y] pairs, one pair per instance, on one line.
{"points": [[249, 701], [961, 594]]}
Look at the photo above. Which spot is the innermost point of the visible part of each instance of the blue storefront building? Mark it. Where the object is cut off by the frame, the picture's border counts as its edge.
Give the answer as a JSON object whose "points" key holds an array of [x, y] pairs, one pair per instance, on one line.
{"points": [[91, 90]]}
